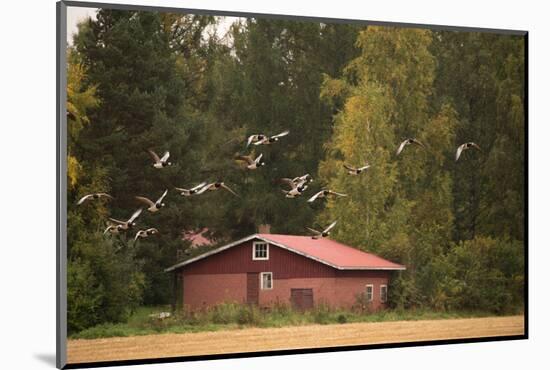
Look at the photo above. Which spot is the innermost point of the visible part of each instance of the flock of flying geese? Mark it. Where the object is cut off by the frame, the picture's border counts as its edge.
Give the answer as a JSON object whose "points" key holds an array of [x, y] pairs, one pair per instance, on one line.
{"points": [[295, 186]]}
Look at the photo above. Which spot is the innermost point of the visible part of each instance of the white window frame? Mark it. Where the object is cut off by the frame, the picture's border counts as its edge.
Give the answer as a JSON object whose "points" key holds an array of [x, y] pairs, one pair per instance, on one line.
{"points": [[381, 295], [254, 244], [262, 280], [371, 292]]}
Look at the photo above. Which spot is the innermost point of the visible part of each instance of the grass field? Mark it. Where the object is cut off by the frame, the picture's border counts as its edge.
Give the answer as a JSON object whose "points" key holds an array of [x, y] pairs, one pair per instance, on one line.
{"points": [[233, 316], [306, 336]]}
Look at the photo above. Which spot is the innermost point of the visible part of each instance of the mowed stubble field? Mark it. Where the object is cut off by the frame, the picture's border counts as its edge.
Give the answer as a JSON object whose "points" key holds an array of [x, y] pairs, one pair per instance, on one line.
{"points": [[311, 336]]}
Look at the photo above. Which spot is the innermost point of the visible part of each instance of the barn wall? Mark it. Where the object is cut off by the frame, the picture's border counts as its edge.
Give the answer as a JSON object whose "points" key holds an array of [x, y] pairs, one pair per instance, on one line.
{"points": [[200, 291], [284, 264], [222, 278], [350, 284], [323, 290]]}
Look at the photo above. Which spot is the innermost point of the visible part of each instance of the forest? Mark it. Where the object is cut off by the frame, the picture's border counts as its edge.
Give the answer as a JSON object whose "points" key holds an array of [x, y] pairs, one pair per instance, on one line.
{"points": [[198, 86]]}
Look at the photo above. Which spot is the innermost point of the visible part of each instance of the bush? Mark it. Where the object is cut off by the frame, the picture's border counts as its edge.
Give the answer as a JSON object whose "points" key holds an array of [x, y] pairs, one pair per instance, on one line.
{"points": [[249, 315], [342, 319], [321, 314], [225, 313]]}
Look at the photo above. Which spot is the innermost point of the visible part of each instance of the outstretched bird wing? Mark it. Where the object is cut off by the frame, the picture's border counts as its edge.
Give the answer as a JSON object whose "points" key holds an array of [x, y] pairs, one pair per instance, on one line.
{"points": [[229, 189], [165, 156], [199, 186], [401, 146], [163, 195], [117, 221], [330, 227], [312, 199], [204, 188], [417, 143], [251, 138], [245, 158], [476, 146], [84, 198], [338, 194], [314, 231], [153, 155], [349, 168], [364, 167], [146, 201], [257, 160], [135, 215], [284, 133], [108, 228], [459, 151]]}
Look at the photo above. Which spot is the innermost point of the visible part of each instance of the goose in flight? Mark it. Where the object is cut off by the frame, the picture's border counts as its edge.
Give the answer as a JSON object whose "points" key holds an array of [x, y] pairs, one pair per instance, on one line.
{"points": [[113, 229], [93, 196], [325, 193], [215, 186], [158, 161], [251, 163], [305, 179], [296, 187], [408, 141], [253, 139], [145, 233], [153, 206], [192, 191], [466, 146], [356, 170], [321, 234], [265, 140], [125, 225]]}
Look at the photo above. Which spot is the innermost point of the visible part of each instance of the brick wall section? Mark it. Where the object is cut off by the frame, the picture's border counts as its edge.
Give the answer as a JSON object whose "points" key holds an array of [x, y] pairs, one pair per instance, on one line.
{"points": [[222, 278], [201, 290], [208, 290]]}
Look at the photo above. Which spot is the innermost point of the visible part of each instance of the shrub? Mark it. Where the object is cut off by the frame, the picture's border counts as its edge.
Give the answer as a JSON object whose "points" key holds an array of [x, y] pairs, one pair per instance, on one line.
{"points": [[321, 314], [342, 319]]}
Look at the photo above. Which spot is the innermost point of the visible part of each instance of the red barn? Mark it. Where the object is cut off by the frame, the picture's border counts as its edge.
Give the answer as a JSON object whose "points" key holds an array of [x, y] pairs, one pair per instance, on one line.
{"points": [[266, 268]]}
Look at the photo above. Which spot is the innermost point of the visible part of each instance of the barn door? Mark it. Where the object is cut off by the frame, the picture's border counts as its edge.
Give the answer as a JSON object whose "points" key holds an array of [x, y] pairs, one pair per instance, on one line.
{"points": [[301, 299], [252, 288]]}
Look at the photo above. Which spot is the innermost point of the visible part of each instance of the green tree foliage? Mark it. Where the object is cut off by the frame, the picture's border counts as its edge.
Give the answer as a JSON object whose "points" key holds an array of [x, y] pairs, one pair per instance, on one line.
{"points": [[482, 75], [147, 68], [404, 207], [348, 94], [103, 282]]}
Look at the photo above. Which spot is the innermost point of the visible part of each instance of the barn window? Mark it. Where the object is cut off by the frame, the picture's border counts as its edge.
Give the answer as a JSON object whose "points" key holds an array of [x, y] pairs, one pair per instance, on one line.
{"points": [[260, 251], [368, 292], [383, 293], [266, 280]]}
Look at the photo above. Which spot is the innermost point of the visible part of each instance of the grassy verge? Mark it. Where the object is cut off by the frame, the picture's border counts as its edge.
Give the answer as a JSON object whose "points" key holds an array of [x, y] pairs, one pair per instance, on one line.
{"points": [[233, 316]]}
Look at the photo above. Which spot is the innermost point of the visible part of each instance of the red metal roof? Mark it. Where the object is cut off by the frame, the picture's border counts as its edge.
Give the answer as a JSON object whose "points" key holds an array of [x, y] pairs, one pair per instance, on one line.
{"points": [[323, 250], [332, 252]]}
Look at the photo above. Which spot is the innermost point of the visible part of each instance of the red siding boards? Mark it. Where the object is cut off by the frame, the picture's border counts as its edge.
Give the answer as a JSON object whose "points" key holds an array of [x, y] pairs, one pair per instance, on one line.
{"points": [[232, 275], [282, 263]]}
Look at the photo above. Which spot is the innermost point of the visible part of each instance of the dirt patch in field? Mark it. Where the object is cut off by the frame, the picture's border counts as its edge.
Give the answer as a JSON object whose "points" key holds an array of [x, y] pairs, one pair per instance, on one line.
{"points": [[311, 336]]}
